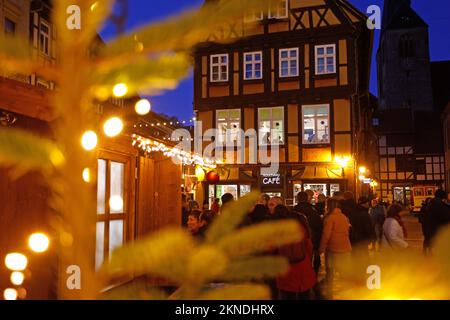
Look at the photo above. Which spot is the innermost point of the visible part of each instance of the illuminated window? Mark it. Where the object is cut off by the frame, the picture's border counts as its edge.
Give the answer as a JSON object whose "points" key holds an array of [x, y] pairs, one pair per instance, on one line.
{"points": [[326, 59], [253, 65], [271, 126], [111, 213], [280, 11], [316, 128], [289, 62], [228, 124], [219, 68], [254, 16]]}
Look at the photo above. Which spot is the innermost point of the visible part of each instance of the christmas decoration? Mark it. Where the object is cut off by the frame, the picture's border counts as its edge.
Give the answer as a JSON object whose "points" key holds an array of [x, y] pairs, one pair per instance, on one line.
{"points": [[212, 177]]}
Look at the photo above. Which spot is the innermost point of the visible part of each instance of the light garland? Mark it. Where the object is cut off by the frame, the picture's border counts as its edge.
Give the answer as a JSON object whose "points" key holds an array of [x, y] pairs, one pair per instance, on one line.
{"points": [[187, 158], [167, 123]]}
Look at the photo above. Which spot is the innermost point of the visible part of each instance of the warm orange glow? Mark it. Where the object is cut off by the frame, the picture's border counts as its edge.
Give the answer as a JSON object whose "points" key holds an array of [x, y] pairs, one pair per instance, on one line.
{"points": [[38, 242], [17, 278], [342, 161], [16, 261]]}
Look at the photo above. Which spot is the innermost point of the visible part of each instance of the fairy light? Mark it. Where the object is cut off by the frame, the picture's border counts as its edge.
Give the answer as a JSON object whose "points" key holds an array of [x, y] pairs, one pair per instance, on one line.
{"points": [[113, 127], [187, 158], [17, 278], [86, 175], [120, 90], [38, 242], [16, 261], [143, 107], [89, 140], [10, 294]]}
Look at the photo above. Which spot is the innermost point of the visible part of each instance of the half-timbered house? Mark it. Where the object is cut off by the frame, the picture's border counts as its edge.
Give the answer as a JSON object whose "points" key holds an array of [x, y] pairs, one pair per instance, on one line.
{"points": [[299, 75]]}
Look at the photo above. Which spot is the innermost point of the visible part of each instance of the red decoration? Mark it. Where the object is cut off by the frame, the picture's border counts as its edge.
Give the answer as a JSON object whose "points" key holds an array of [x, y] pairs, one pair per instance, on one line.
{"points": [[212, 177]]}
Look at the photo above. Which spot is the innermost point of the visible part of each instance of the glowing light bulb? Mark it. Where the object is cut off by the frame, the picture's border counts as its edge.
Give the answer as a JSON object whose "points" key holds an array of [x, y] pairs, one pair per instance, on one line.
{"points": [[17, 278], [38, 242], [86, 175], [113, 127], [116, 203], [10, 294], [89, 140], [120, 90], [16, 261], [362, 170]]}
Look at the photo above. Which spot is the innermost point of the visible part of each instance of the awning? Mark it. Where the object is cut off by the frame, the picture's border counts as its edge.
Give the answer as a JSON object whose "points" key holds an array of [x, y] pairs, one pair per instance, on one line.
{"points": [[313, 172]]}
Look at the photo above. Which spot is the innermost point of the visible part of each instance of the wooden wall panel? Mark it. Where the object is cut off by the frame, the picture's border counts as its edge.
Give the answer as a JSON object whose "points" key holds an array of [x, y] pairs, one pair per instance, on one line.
{"points": [[254, 88], [292, 118], [221, 91], [342, 115], [321, 83], [293, 149], [342, 144]]}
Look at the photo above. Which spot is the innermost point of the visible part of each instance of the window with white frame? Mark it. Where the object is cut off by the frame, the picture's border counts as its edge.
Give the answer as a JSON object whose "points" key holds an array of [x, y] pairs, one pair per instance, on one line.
{"points": [[228, 125], [279, 10], [219, 67], [254, 16], [289, 62], [316, 119], [253, 65], [271, 125], [326, 59], [44, 37]]}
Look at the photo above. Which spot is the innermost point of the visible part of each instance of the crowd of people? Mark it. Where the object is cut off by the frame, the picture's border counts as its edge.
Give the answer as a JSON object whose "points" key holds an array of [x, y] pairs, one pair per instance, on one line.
{"points": [[334, 228]]}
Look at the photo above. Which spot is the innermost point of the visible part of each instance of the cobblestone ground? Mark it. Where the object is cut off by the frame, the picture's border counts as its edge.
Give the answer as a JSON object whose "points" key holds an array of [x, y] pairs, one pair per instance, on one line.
{"points": [[415, 240]]}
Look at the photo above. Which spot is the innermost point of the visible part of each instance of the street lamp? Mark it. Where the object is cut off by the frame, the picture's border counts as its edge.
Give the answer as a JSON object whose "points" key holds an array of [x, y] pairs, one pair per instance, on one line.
{"points": [[343, 162]]}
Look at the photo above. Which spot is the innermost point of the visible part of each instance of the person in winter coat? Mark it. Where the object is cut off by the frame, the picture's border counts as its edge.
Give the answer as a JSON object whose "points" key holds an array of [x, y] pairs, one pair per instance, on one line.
{"points": [[439, 212], [394, 232], [424, 220], [335, 242], [315, 223], [297, 283], [361, 233], [378, 214]]}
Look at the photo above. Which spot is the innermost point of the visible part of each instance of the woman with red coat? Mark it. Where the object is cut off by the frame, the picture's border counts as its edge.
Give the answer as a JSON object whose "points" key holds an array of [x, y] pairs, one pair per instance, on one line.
{"points": [[297, 283]]}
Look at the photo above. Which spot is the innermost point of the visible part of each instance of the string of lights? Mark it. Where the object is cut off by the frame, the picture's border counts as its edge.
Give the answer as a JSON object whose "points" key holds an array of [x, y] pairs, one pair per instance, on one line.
{"points": [[187, 158]]}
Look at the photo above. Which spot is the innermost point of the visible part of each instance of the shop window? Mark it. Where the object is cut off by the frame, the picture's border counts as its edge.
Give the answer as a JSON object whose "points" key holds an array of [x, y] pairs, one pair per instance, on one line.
{"points": [[316, 128], [288, 62], [228, 125], [326, 59], [271, 126], [110, 209], [219, 67], [253, 65]]}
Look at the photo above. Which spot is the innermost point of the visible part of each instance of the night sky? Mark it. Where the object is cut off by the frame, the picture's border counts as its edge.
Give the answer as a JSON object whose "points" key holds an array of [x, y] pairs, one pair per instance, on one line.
{"points": [[179, 102]]}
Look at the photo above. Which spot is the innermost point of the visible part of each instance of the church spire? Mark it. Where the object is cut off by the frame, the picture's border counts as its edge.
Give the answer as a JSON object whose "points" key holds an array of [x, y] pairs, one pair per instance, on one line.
{"points": [[390, 9]]}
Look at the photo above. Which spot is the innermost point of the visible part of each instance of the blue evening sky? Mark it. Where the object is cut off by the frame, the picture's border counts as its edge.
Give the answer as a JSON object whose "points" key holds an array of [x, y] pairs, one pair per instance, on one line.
{"points": [[179, 102]]}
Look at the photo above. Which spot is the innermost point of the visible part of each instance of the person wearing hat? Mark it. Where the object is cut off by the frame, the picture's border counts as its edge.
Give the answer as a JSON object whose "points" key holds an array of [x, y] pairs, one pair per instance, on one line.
{"points": [[439, 213]]}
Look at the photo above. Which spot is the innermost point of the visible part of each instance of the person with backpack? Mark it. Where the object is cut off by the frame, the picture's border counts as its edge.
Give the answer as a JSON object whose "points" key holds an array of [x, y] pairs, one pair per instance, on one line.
{"points": [[297, 283], [439, 213], [424, 220]]}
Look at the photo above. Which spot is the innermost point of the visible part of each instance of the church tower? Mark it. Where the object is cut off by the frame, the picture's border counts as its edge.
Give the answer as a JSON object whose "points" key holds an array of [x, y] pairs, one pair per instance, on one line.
{"points": [[403, 59]]}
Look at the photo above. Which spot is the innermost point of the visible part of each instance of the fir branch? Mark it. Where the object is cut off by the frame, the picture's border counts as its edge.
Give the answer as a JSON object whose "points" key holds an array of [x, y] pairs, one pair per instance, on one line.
{"points": [[257, 268], [165, 254], [260, 238], [232, 215], [26, 151]]}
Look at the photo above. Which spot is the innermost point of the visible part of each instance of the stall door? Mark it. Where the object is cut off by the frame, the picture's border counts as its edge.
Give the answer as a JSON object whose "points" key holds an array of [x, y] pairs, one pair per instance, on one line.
{"points": [[115, 204]]}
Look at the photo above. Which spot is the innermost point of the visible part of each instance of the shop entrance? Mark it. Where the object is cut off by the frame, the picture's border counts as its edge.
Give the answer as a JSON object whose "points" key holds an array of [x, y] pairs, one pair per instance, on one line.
{"points": [[402, 194], [237, 190], [327, 189]]}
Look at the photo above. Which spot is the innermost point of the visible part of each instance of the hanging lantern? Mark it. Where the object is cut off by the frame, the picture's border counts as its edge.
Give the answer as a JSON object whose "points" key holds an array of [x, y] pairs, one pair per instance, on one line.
{"points": [[212, 177]]}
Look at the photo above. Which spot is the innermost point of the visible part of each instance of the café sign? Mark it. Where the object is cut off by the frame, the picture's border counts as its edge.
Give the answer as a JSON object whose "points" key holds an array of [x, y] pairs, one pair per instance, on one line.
{"points": [[271, 181]]}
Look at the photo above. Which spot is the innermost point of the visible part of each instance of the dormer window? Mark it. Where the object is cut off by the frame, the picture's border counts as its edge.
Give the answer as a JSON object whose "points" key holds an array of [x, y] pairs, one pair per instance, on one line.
{"points": [[280, 10]]}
